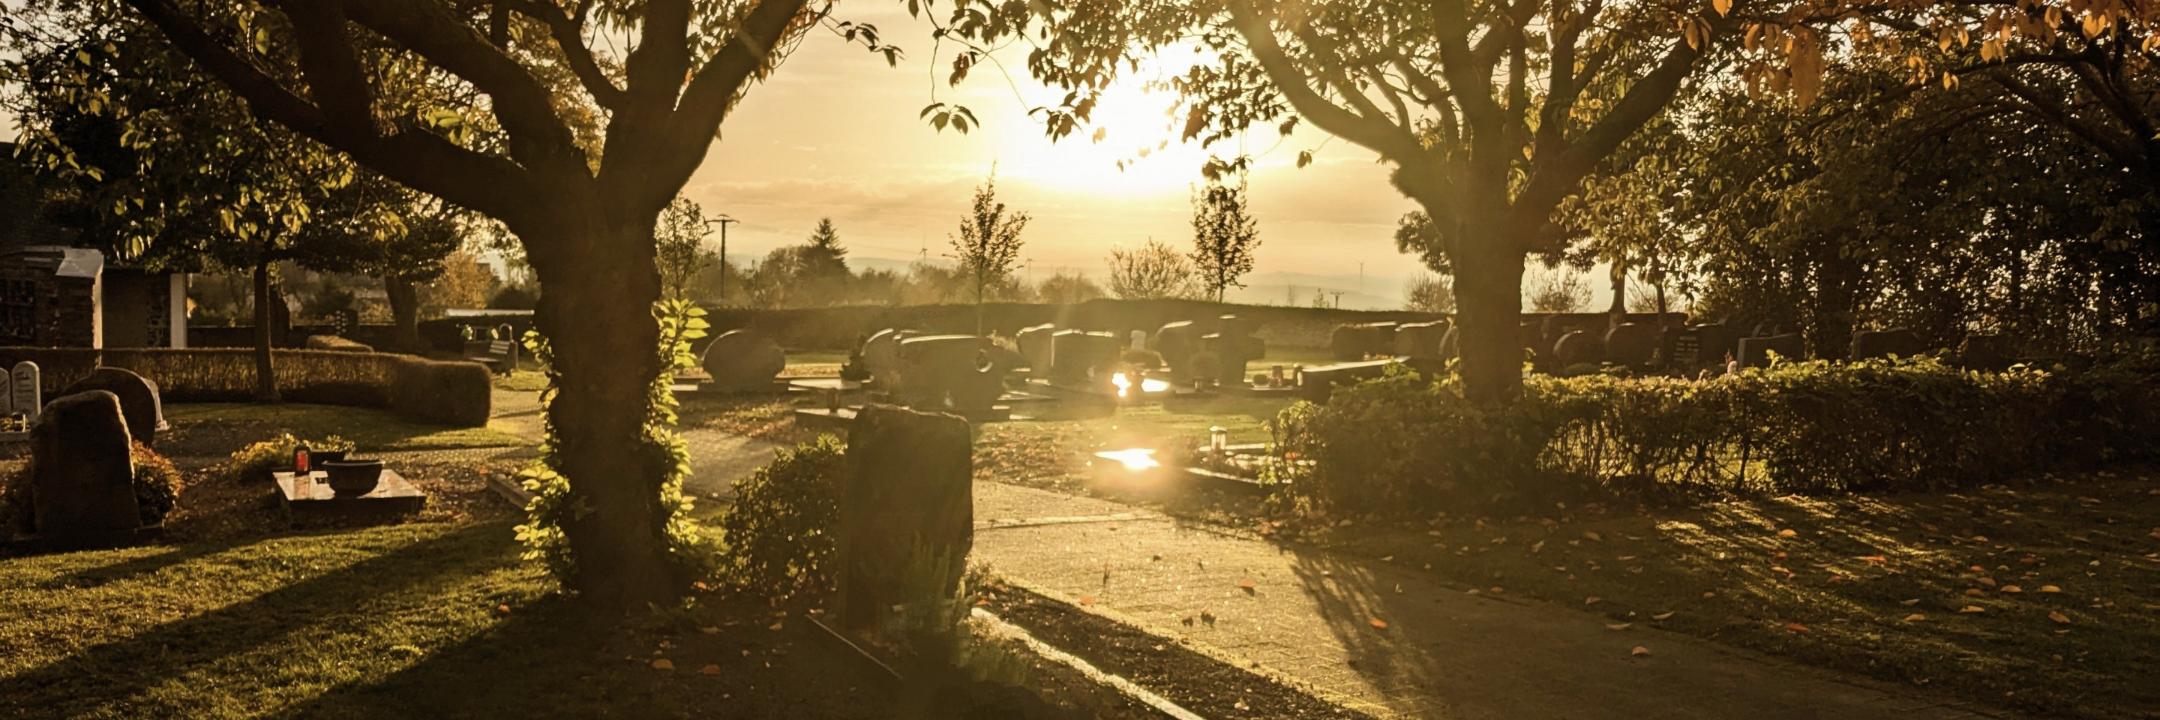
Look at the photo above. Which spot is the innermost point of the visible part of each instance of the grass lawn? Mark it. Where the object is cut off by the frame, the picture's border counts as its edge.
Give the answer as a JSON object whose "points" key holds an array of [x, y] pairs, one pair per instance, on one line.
{"points": [[426, 620], [218, 428], [2043, 597]]}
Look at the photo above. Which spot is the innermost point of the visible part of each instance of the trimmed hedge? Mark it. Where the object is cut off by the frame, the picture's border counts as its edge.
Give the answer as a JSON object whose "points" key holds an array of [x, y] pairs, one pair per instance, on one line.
{"points": [[327, 377], [452, 393], [1405, 444]]}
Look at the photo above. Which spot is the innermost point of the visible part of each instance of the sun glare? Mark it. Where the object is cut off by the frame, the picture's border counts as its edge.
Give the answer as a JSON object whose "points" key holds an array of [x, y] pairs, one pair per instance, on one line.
{"points": [[1138, 155]]}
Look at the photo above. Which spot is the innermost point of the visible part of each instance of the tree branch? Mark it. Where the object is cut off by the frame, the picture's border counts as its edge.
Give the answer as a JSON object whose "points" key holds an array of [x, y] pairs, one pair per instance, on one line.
{"points": [[1382, 137], [568, 31]]}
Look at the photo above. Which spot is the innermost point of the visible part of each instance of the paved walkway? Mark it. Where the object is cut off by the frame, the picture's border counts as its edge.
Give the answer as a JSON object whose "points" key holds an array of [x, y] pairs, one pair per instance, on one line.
{"points": [[1435, 652], [717, 459]]}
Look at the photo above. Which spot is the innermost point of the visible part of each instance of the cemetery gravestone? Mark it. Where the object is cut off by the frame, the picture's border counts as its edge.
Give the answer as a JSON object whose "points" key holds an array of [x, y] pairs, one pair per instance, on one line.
{"points": [[743, 361], [1083, 357], [907, 512], [1631, 344], [82, 477], [1232, 347], [139, 403], [1357, 341], [1420, 340], [881, 354], [1578, 347], [1034, 345], [1900, 342], [1177, 343], [961, 373], [23, 392], [1756, 351]]}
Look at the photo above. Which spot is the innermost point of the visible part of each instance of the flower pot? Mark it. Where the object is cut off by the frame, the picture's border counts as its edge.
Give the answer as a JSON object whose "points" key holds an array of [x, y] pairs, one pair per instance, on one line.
{"points": [[350, 478]]}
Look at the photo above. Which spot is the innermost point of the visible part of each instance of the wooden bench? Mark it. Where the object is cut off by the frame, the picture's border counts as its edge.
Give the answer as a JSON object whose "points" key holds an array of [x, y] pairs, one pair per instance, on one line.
{"points": [[499, 353]]}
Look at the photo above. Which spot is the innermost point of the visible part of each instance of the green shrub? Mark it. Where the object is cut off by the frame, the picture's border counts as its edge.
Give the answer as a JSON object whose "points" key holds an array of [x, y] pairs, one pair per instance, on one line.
{"points": [[157, 487], [780, 533], [1405, 444], [257, 460], [333, 342], [447, 392]]}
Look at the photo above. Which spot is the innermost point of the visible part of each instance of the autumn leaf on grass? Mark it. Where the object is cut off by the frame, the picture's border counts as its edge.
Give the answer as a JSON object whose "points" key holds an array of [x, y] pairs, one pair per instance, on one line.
{"points": [[1909, 602], [1640, 651], [1087, 601], [2058, 617], [1377, 624], [1618, 626], [2050, 589], [1796, 627], [1915, 617], [1667, 615], [1787, 533], [1592, 600], [663, 665], [709, 669], [2011, 589], [1248, 586], [1971, 610], [1877, 560]]}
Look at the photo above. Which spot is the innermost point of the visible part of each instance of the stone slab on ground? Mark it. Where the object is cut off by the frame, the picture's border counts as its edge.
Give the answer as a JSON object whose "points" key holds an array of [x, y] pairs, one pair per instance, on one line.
{"points": [[1308, 616]]}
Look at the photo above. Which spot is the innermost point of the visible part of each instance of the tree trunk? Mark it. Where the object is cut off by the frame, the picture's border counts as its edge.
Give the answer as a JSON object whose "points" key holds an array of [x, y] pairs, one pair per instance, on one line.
{"points": [[1488, 316], [265, 376], [596, 301], [404, 313], [1619, 294]]}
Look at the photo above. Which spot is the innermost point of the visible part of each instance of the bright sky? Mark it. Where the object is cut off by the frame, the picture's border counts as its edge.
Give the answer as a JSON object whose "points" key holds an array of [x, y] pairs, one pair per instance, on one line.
{"points": [[835, 132]]}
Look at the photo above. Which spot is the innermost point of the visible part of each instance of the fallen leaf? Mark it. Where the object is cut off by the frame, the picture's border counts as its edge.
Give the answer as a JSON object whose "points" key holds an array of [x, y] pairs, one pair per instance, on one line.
{"points": [[1975, 592], [1971, 610], [1910, 602], [1988, 581], [1247, 585], [1377, 624], [2058, 617], [2010, 589], [709, 669], [1915, 617], [1592, 600], [2050, 589], [1874, 559], [1640, 651], [503, 609], [1667, 615], [1593, 536], [1618, 626], [1787, 533], [1087, 601], [1796, 627], [663, 664]]}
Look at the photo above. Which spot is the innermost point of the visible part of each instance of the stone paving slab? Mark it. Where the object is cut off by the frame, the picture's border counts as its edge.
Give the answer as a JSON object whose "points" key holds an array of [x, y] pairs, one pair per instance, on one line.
{"points": [[1309, 614]]}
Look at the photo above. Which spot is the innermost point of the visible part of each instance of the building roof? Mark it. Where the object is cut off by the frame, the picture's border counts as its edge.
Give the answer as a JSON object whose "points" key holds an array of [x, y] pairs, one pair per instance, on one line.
{"points": [[63, 261]]}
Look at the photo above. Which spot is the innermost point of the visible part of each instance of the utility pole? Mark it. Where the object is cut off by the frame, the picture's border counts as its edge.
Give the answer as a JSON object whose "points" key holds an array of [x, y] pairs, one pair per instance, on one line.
{"points": [[724, 221]]}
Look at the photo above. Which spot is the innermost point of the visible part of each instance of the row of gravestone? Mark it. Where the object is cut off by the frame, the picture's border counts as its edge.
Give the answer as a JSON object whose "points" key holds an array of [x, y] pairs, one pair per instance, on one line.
{"points": [[82, 475]]}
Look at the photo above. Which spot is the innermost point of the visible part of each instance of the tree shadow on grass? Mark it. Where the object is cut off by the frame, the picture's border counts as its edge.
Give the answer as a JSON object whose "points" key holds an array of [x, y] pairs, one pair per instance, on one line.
{"points": [[247, 654], [138, 566]]}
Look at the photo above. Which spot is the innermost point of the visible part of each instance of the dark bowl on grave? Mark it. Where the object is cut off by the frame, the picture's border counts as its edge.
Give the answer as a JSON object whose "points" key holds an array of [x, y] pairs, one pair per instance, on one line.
{"points": [[352, 478], [326, 456]]}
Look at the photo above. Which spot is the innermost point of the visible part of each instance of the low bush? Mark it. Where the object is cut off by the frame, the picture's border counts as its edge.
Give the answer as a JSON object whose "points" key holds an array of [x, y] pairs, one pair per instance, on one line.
{"points": [[451, 393], [780, 533], [157, 486], [1403, 443], [256, 461]]}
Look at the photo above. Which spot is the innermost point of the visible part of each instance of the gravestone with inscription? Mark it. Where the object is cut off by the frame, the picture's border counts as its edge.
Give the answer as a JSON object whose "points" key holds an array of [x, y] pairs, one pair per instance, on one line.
{"points": [[1756, 351], [1081, 357], [23, 394]]}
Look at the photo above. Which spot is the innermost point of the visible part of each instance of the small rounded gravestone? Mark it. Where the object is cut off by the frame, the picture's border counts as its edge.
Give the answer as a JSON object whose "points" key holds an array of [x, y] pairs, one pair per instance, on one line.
{"points": [[138, 399], [743, 361], [1631, 344]]}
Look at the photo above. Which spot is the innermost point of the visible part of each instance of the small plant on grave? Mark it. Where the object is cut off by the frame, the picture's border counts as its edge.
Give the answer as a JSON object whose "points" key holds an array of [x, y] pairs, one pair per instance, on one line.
{"points": [[781, 531], [256, 461], [681, 322], [937, 592]]}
